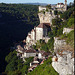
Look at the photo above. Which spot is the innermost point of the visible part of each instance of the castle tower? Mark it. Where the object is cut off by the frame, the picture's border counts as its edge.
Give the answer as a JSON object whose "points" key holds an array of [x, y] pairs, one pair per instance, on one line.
{"points": [[65, 5]]}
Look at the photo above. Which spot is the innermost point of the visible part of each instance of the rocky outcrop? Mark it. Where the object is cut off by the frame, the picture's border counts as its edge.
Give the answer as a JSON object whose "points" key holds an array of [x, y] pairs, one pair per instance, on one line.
{"points": [[64, 64]]}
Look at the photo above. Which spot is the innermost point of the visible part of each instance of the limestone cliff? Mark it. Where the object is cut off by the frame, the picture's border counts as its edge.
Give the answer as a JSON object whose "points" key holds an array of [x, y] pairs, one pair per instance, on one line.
{"points": [[63, 61], [64, 64]]}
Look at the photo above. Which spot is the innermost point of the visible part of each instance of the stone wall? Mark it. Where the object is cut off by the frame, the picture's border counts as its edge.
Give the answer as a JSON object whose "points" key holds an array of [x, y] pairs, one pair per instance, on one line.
{"points": [[47, 17], [67, 30], [36, 34], [41, 8], [58, 44], [27, 55], [39, 33], [28, 38]]}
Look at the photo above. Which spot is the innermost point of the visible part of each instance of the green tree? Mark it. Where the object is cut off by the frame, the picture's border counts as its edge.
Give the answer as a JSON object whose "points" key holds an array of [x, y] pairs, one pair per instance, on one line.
{"points": [[50, 44], [70, 22], [44, 69], [55, 12], [67, 13], [9, 57], [57, 22]]}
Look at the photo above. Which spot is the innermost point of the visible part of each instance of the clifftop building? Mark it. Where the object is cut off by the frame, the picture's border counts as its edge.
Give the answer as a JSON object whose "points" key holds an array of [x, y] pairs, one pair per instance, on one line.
{"points": [[62, 6], [59, 6], [47, 17], [39, 32]]}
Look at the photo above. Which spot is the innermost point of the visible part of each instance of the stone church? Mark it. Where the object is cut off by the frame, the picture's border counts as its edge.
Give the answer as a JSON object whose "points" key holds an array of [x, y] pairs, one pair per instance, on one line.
{"points": [[39, 32], [62, 6], [59, 6]]}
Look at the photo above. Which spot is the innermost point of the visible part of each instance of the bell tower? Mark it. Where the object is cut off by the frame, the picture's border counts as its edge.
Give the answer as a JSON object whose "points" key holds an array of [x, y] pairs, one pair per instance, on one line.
{"points": [[65, 2], [65, 5]]}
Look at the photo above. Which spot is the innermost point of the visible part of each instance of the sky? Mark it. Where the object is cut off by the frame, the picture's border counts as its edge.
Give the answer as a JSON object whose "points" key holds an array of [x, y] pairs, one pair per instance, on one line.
{"points": [[34, 1]]}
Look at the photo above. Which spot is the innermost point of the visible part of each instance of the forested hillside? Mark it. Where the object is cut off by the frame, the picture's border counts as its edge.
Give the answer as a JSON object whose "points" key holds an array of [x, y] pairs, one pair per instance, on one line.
{"points": [[16, 20]]}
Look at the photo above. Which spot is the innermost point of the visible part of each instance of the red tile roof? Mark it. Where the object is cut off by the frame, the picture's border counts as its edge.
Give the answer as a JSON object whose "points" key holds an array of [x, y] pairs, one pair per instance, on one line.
{"points": [[42, 61], [35, 58], [46, 54], [42, 51], [19, 46], [30, 51], [44, 25]]}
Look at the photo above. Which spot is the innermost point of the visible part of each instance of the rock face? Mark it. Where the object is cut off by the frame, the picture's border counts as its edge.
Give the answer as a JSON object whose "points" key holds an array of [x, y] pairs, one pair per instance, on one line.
{"points": [[65, 63], [58, 44]]}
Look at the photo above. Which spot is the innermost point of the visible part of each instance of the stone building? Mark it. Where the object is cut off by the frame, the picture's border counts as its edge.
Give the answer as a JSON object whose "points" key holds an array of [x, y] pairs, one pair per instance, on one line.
{"points": [[39, 32], [59, 6], [62, 6], [29, 53], [47, 17], [42, 30], [41, 8]]}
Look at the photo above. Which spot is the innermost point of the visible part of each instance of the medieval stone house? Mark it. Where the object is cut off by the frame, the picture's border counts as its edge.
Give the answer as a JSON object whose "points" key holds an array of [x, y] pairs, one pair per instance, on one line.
{"points": [[39, 32], [62, 6], [29, 53], [59, 6]]}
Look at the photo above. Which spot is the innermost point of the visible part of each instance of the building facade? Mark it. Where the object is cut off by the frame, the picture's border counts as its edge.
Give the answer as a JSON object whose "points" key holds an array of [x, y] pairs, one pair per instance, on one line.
{"points": [[39, 32]]}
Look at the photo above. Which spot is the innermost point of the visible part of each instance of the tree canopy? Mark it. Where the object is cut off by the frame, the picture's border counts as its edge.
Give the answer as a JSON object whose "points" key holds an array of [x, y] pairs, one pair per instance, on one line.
{"points": [[16, 20]]}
